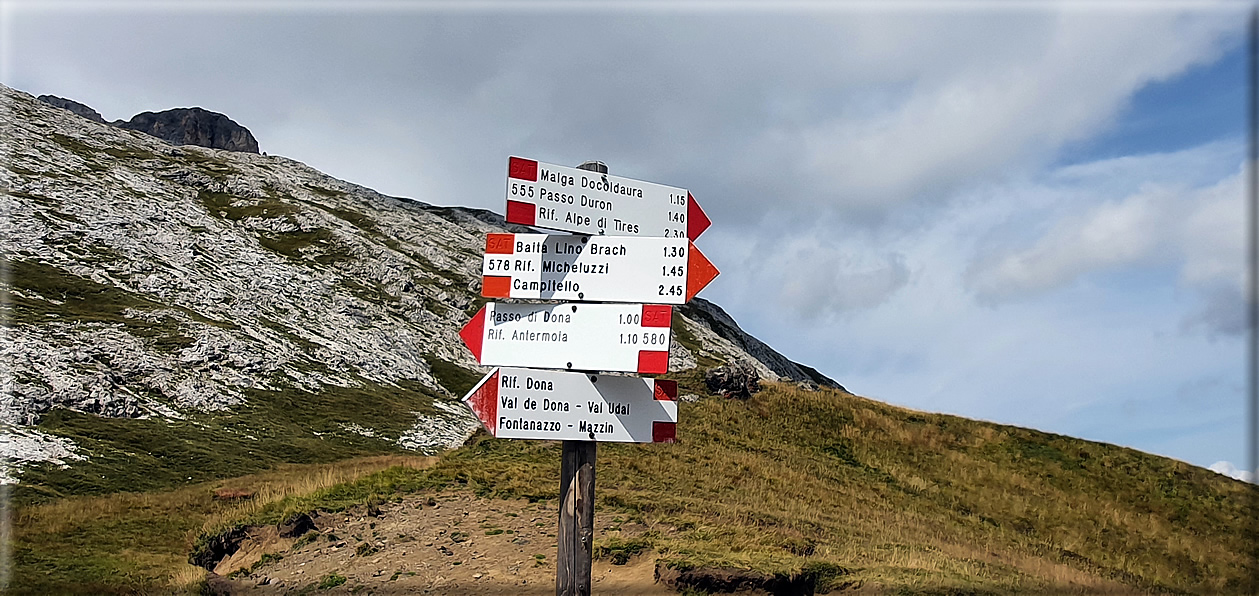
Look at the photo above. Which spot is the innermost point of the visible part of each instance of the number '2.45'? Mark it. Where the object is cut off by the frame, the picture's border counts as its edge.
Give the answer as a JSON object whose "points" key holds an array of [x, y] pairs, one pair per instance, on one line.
{"points": [[670, 290]]}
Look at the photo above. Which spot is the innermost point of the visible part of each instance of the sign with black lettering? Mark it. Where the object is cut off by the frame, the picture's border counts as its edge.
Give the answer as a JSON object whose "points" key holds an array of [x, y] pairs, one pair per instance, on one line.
{"points": [[523, 403], [587, 337], [593, 268], [575, 200]]}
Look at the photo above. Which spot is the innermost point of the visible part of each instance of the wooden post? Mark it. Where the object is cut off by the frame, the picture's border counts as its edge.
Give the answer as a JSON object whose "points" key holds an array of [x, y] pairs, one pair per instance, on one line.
{"points": [[577, 519], [575, 539]]}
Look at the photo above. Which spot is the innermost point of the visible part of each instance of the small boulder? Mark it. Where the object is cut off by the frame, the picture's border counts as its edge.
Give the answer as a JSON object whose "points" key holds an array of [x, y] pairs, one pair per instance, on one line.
{"points": [[296, 525], [737, 379]]}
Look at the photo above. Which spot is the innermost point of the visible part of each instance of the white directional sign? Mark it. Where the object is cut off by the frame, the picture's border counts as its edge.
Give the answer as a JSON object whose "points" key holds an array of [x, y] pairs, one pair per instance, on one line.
{"points": [[593, 268], [608, 337], [521, 403], [563, 198]]}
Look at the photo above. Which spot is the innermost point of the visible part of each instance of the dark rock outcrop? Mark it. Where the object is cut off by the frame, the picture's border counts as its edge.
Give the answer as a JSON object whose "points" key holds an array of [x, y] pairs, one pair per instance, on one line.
{"points": [[714, 580], [218, 547], [193, 126], [73, 106], [296, 525], [737, 379]]}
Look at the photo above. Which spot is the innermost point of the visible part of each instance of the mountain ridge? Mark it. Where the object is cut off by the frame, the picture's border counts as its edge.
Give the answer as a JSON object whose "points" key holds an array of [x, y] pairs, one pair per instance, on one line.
{"points": [[177, 126], [150, 280]]}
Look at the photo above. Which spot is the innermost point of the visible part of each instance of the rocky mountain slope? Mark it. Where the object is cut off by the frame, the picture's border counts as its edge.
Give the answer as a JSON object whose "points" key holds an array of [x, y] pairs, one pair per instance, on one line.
{"points": [[178, 308]]}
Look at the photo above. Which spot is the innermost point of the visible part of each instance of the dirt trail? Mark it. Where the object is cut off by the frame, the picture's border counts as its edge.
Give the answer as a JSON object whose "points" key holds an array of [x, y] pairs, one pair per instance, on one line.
{"points": [[448, 543]]}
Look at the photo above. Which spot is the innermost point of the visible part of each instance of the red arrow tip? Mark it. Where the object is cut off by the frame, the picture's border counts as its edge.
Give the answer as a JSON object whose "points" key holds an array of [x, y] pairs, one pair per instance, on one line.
{"points": [[696, 220], [484, 402], [473, 333], [699, 271]]}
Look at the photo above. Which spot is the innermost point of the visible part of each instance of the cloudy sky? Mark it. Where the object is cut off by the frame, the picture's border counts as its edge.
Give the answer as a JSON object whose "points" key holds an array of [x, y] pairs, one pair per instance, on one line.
{"points": [[1030, 215]]}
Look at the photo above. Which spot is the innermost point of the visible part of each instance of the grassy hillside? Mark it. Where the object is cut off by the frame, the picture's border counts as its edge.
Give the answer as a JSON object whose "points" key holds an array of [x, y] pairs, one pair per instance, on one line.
{"points": [[857, 492]]}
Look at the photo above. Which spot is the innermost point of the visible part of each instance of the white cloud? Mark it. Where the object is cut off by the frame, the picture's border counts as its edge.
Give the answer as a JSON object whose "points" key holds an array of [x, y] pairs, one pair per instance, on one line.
{"points": [[1061, 80], [1147, 213], [1151, 236], [837, 110], [1228, 469], [854, 163], [1110, 235]]}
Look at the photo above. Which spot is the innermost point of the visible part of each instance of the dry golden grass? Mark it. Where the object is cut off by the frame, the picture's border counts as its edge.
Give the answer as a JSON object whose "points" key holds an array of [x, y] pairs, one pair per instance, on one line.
{"points": [[187, 579], [884, 497], [273, 487], [904, 499], [139, 542]]}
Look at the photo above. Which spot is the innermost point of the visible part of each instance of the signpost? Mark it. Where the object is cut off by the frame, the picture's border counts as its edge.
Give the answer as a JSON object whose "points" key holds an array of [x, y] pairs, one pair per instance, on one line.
{"points": [[592, 202], [594, 268], [632, 244], [522, 403], [612, 337]]}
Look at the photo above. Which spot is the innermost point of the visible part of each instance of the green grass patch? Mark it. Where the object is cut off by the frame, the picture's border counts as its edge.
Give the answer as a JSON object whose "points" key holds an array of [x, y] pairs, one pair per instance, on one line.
{"points": [[214, 166], [75, 146], [620, 550], [374, 293], [129, 152], [364, 223], [50, 294], [327, 192], [456, 379], [228, 206], [41, 200], [271, 428], [295, 243], [331, 580], [21, 171]]}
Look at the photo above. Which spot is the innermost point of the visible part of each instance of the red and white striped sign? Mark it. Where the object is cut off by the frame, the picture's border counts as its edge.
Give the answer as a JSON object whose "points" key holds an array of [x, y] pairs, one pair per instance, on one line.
{"points": [[573, 200], [588, 337], [521, 403], [593, 268]]}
